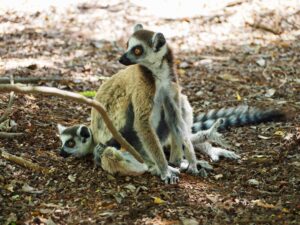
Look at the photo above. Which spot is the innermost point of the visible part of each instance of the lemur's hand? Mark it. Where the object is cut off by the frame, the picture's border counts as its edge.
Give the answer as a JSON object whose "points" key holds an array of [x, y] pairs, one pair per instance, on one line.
{"points": [[98, 151], [171, 176]]}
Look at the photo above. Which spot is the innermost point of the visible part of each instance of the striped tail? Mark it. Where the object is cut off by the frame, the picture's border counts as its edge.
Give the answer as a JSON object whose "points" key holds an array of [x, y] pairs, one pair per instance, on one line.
{"points": [[236, 116]]}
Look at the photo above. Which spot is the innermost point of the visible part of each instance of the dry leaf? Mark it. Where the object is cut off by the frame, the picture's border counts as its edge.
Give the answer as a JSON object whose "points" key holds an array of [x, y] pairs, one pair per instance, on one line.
{"points": [[279, 133], [29, 189], [238, 97], [158, 200], [260, 203], [229, 77]]}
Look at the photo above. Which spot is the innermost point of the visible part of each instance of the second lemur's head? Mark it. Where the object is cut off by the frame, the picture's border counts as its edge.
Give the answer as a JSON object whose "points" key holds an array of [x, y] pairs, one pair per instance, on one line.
{"points": [[76, 141], [145, 47]]}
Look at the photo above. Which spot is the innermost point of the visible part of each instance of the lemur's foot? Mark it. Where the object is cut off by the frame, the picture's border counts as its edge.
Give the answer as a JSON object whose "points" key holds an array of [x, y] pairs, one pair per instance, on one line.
{"points": [[214, 136], [171, 176], [200, 168], [215, 153]]}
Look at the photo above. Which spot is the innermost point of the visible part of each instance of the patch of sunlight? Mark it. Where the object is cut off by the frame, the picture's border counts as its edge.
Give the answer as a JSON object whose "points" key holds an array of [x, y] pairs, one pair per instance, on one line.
{"points": [[36, 5], [14, 63], [183, 8]]}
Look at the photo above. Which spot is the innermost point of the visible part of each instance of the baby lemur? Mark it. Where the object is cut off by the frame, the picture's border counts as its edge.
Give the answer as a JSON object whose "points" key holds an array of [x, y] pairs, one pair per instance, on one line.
{"points": [[146, 106]]}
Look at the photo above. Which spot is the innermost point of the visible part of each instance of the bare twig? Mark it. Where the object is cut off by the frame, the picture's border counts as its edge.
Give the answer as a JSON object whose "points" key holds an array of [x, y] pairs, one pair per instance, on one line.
{"points": [[10, 103], [22, 162], [10, 135], [80, 99]]}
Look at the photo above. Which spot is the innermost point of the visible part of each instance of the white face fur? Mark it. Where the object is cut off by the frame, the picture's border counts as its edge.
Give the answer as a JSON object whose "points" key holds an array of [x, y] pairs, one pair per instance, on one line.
{"points": [[76, 140], [145, 48], [149, 58]]}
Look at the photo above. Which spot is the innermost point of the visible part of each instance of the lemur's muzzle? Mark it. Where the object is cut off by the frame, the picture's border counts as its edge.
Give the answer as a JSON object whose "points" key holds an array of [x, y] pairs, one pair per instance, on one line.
{"points": [[63, 153], [125, 60]]}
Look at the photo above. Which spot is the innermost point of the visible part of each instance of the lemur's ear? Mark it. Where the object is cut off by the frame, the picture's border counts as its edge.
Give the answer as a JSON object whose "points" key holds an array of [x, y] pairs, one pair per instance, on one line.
{"points": [[158, 41], [83, 131], [138, 27], [60, 128]]}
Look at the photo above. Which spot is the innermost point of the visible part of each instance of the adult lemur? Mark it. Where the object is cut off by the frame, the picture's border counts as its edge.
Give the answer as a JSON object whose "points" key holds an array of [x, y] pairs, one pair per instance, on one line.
{"points": [[146, 106]]}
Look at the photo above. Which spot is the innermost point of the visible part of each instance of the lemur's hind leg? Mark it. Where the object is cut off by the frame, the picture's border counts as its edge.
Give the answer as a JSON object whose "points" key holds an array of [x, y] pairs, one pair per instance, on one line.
{"points": [[215, 152], [202, 140], [115, 161], [210, 135]]}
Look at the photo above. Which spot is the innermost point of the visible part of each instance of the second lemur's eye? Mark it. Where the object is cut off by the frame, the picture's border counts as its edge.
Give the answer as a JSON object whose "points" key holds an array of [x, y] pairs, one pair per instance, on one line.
{"points": [[70, 143]]}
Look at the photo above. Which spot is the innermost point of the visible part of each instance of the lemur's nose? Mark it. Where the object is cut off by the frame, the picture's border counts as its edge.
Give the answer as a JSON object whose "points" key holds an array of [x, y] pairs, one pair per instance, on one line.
{"points": [[124, 60], [63, 153]]}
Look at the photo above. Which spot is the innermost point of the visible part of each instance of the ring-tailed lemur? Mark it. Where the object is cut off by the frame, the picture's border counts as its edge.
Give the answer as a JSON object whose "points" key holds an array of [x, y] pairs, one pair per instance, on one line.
{"points": [[145, 108], [78, 141]]}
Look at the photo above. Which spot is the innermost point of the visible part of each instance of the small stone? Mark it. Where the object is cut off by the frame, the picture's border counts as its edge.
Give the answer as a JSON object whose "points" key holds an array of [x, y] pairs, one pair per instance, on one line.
{"points": [[184, 65], [218, 176], [261, 62], [188, 221], [253, 182], [199, 93]]}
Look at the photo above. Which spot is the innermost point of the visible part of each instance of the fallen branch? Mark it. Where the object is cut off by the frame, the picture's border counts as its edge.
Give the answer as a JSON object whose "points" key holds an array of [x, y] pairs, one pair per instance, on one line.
{"points": [[10, 135], [22, 162], [10, 103], [77, 98], [6, 80]]}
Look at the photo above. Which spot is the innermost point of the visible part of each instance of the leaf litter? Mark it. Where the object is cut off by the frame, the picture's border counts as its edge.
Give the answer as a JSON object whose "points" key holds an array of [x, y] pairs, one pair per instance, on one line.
{"points": [[254, 62]]}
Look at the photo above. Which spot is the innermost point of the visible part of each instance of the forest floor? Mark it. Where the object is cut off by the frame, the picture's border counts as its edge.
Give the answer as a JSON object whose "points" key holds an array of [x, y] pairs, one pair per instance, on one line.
{"points": [[244, 52]]}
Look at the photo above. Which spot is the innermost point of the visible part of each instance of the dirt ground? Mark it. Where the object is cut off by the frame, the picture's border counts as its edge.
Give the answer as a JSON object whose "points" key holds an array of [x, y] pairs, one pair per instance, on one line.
{"points": [[243, 52]]}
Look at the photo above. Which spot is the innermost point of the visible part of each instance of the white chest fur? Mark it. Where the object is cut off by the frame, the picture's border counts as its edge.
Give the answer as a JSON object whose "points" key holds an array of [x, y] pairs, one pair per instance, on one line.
{"points": [[162, 87]]}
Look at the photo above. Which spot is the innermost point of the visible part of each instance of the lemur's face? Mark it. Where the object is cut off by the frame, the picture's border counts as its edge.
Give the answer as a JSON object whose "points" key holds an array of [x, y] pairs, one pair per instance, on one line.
{"points": [[76, 140], [144, 47]]}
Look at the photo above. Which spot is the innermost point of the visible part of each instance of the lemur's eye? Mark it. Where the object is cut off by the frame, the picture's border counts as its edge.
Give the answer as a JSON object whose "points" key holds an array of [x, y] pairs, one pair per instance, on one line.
{"points": [[70, 143], [138, 51]]}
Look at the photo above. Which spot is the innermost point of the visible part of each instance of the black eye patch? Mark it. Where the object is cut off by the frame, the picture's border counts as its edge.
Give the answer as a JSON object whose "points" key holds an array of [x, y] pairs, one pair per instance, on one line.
{"points": [[137, 50], [84, 132]]}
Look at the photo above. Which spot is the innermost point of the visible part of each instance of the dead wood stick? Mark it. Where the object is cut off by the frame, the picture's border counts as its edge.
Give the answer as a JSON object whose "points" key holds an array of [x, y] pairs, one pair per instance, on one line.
{"points": [[22, 162], [10, 103], [274, 30], [6, 80], [216, 58], [10, 135], [77, 98]]}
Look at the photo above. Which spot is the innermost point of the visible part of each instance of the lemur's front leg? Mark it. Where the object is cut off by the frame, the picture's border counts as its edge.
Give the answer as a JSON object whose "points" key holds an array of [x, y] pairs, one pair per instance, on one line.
{"points": [[152, 146], [180, 137]]}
